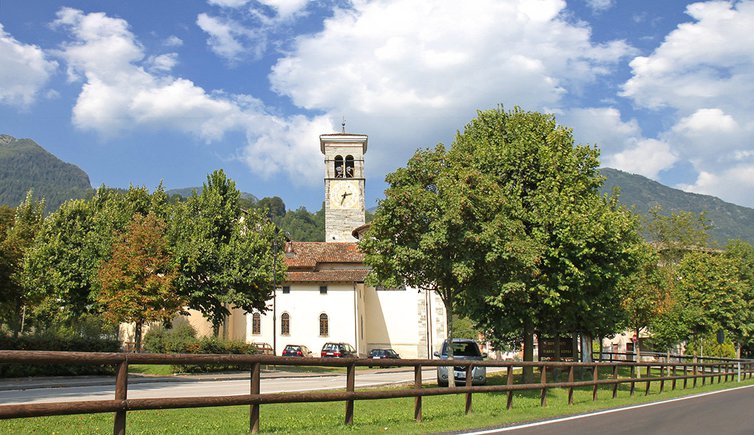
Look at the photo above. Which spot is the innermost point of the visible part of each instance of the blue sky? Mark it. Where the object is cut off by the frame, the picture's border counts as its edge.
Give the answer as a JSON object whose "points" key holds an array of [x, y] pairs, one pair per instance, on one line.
{"points": [[135, 92]]}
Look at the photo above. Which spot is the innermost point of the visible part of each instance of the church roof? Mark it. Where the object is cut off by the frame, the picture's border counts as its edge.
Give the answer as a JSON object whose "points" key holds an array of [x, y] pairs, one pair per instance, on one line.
{"points": [[324, 262]]}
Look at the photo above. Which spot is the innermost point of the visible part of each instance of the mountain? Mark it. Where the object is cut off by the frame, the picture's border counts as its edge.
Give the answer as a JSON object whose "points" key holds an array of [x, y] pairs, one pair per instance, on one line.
{"points": [[25, 165], [185, 192], [729, 221]]}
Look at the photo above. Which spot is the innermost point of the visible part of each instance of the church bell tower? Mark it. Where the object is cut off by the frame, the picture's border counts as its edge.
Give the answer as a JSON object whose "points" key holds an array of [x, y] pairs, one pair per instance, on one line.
{"points": [[344, 184]]}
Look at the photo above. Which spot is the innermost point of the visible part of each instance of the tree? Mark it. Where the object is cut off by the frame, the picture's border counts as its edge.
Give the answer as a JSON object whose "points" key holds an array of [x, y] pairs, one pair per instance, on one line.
{"points": [[710, 295], [14, 297], [439, 225], [577, 244], [62, 265], [674, 235], [274, 206], [136, 283], [224, 256], [647, 295], [743, 254]]}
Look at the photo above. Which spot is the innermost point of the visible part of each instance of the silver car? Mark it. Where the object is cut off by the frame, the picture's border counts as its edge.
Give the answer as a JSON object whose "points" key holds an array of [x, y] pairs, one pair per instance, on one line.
{"points": [[463, 349]]}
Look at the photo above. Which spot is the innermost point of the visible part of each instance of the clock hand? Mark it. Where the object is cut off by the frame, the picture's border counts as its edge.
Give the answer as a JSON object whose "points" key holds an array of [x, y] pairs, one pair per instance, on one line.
{"points": [[344, 196]]}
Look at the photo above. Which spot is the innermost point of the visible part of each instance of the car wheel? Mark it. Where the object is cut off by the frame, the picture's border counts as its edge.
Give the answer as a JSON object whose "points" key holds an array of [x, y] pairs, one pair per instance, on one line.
{"points": [[442, 383]]}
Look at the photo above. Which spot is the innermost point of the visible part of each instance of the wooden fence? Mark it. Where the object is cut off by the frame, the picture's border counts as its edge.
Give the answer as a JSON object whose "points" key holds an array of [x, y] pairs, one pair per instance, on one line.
{"points": [[600, 374]]}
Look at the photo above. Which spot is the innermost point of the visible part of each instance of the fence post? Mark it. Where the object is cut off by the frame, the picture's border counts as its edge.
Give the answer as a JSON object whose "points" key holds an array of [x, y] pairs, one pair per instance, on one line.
{"points": [[254, 389], [674, 374], [418, 399], [633, 383], [350, 386], [595, 378], [469, 383], [570, 387], [649, 379], [662, 380], [738, 370], [509, 383], [121, 393], [615, 378], [543, 381]]}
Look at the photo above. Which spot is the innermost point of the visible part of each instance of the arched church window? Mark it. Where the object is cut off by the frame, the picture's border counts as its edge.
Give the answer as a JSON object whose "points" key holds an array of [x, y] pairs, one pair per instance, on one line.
{"points": [[339, 168], [349, 167], [256, 324], [285, 324], [324, 325]]}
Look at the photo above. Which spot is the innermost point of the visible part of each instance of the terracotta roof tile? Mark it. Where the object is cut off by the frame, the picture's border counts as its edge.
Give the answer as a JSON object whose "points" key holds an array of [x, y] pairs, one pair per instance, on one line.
{"points": [[324, 262]]}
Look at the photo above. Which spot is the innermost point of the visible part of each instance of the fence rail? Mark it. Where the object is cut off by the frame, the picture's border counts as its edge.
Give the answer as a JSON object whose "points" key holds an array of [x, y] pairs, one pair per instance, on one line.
{"points": [[662, 372]]}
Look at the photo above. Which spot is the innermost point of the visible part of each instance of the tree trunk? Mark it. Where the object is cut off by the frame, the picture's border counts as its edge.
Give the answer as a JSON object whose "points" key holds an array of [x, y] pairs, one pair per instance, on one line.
{"points": [[637, 352], [137, 336], [587, 347], [449, 324], [528, 351]]}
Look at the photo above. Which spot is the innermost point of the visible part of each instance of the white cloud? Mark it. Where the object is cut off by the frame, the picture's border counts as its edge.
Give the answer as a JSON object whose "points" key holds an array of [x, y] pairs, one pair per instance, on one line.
{"points": [[123, 90], [621, 143], [230, 39], [163, 62], [24, 73], [700, 64], [228, 3], [286, 8], [600, 5], [734, 184], [703, 72], [173, 41], [378, 67]]}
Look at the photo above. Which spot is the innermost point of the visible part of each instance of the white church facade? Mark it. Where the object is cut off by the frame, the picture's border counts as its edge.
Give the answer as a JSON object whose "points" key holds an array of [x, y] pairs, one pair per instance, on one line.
{"points": [[324, 297]]}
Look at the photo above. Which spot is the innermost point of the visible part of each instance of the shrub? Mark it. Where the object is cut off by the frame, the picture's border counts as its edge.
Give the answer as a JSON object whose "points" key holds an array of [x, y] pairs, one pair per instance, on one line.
{"points": [[181, 338], [89, 336]]}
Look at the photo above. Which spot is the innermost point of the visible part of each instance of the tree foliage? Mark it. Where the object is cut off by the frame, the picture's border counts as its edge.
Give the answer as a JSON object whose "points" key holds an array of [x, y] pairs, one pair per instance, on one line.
{"points": [[224, 257], [508, 225], [136, 283], [16, 239]]}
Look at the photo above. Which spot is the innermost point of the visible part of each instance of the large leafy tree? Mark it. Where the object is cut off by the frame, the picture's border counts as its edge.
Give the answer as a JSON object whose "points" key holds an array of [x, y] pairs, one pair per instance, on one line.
{"points": [[18, 237], [136, 283], [508, 227], [581, 244], [224, 256], [710, 295], [439, 225], [742, 253], [63, 264]]}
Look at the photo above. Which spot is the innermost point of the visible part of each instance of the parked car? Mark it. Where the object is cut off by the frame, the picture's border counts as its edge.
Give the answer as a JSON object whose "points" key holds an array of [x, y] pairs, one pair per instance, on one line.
{"points": [[298, 350], [338, 350], [383, 354], [263, 348], [463, 349]]}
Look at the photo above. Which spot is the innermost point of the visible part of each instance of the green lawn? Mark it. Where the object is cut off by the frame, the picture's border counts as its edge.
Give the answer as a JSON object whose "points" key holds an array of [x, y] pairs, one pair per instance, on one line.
{"points": [[441, 413]]}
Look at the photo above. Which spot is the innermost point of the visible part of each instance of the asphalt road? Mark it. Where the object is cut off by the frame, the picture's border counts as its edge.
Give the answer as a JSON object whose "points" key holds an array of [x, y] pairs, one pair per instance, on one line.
{"points": [[725, 412], [105, 389]]}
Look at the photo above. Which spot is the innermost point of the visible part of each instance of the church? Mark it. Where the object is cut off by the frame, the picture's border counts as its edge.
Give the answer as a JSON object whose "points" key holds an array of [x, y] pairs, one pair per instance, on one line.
{"points": [[324, 297]]}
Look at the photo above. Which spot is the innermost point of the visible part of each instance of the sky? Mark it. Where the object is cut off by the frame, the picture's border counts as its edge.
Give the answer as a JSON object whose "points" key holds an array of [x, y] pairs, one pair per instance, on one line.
{"points": [[139, 92]]}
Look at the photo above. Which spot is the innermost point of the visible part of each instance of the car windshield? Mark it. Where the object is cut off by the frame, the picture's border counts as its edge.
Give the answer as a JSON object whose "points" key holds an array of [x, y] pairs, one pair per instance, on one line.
{"points": [[463, 348]]}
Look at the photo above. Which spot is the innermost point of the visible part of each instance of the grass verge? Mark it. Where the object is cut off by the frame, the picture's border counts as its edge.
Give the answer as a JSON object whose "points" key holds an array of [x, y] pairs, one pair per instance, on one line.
{"points": [[440, 414]]}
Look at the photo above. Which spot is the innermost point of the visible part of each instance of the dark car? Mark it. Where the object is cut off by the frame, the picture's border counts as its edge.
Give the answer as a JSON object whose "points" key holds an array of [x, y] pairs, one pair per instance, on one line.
{"points": [[338, 350], [383, 354], [463, 349], [298, 350]]}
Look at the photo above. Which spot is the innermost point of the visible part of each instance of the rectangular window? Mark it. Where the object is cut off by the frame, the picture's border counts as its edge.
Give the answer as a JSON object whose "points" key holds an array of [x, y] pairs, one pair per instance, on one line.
{"points": [[256, 324], [323, 289], [286, 289]]}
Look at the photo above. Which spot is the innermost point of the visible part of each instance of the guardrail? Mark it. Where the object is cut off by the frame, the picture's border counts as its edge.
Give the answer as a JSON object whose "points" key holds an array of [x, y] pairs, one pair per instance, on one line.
{"points": [[121, 404]]}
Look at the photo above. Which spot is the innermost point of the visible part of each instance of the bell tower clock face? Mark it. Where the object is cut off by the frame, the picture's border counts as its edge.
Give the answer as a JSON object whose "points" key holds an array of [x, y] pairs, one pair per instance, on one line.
{"points": [[345, 194]]}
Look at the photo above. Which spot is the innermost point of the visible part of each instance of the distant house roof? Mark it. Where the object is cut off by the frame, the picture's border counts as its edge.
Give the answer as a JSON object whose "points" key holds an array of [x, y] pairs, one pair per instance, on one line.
{"points": [[324, 262]]}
